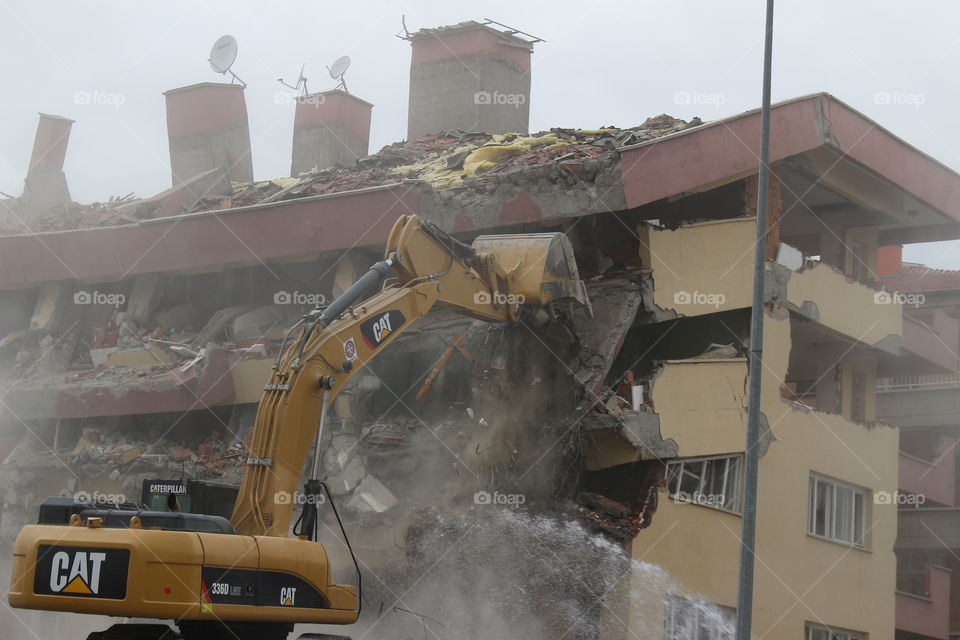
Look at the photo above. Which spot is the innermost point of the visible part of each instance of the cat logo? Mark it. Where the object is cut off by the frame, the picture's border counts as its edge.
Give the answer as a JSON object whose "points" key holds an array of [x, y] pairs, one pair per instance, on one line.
{"points": [[288, 596], [80, 576], [376, 330], [81, 572]]}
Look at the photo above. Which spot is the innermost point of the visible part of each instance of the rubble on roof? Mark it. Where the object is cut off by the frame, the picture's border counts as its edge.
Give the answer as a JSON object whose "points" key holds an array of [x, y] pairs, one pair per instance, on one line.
{"points": [[445, 160]]}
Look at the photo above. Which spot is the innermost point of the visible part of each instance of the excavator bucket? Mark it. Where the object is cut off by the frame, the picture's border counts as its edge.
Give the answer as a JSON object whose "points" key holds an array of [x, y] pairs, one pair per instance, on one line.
{"points": [[539, 266]]}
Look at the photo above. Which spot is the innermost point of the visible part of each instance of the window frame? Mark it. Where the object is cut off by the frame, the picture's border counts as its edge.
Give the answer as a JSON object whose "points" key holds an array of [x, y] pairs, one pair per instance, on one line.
{"points": [[736, 480], [831, 633], [695, 609], [856, 519]]}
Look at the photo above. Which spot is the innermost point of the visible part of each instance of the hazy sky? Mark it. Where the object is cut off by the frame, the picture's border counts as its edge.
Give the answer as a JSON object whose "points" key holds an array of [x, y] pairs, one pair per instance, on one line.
{"points": [[603, 63]]}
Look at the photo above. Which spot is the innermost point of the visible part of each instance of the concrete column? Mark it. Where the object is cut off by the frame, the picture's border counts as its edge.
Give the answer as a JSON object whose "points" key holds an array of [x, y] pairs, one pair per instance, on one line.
{"points": [[329, 128], [471, 77], [208, 128], [45, 186]]}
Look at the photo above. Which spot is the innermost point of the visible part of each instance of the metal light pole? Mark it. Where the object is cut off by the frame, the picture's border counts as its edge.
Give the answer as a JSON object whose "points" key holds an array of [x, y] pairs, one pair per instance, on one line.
{"points": [[748, 534]]}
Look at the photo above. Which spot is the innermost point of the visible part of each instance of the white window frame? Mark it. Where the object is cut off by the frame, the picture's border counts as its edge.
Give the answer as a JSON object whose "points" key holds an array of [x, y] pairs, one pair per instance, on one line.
{"points": [[702, 619], [821, 632], [731, 489], [839, 527]]}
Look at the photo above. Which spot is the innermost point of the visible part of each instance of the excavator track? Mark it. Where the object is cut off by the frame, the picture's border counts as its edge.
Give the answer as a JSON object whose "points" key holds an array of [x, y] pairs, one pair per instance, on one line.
{"points": [[206, 631]]}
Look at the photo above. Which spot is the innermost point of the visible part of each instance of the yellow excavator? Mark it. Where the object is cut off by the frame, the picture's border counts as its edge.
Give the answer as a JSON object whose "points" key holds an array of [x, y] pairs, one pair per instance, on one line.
{"points": [[246, 577]]}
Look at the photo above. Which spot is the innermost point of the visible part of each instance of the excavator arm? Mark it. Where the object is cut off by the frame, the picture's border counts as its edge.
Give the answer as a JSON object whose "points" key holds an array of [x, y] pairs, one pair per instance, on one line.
{"points": [[246, 578], [430, 268]]}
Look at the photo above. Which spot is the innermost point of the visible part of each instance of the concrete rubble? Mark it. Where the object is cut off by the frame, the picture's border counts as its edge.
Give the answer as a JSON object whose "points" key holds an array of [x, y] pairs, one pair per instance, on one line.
{"points": [[383, 458], [446, 160]]}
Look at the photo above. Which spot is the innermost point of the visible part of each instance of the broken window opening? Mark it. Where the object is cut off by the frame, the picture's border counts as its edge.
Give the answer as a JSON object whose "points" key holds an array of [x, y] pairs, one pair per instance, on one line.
{"points": [[711, 482], [686, 619]]}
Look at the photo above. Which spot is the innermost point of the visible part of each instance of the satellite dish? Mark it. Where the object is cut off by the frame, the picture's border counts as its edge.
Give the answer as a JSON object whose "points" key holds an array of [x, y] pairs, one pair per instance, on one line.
{"points": [[301, 82], [337, 69], [223, 54]]}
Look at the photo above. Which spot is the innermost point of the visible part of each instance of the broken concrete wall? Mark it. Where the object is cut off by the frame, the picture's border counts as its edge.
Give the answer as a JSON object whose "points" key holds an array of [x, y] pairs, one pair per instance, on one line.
{"points": [[702, 405], [701, 268], [848, 307], [527, 194]]}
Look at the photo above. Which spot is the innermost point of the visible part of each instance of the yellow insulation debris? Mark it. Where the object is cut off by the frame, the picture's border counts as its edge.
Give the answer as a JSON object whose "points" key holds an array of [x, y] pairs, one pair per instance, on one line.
{"points": [[285, 182], [434, 169], [488, 155]]}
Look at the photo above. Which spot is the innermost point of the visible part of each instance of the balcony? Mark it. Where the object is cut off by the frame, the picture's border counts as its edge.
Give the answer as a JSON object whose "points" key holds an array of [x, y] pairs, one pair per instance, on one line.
{"points": [[929, 528], [934, 480], [920, 400], [707, 267], [701, 268], [845, 306], [914, 383], [924, 610]]}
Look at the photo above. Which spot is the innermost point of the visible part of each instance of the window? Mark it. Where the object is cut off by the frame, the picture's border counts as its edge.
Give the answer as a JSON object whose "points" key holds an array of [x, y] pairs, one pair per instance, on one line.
{"points": [[837, 511], [819, 632], [686, 619], [712, 482]]}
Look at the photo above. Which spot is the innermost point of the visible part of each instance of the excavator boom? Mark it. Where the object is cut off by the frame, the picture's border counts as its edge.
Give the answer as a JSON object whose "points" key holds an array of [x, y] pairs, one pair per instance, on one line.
{"points": [[247, 575]]}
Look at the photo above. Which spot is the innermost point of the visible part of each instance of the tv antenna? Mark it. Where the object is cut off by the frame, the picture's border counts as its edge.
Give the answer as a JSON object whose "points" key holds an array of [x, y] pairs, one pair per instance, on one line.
{"points": [[301, 82], [223, 55], [338, 69]]}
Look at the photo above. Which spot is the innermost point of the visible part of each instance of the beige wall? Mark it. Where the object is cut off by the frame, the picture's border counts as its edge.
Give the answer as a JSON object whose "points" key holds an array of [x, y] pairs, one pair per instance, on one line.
{"points": [[716, 258], [798, 578], [706, 258], [845, 306]]}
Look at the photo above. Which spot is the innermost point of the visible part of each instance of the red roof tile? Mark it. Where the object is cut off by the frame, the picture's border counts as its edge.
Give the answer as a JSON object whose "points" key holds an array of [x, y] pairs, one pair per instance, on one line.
{"points": [[915, 278]]}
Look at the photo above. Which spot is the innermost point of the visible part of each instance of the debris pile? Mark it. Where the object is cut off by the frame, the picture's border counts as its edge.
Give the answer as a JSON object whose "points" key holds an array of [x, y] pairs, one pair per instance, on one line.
{"points": [[609, 516], [107, 465], [445, 160]]}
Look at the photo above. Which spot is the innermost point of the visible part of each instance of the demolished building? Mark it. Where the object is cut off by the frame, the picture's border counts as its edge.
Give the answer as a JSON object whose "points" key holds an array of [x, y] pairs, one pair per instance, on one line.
{"points": [[137, 334]]}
